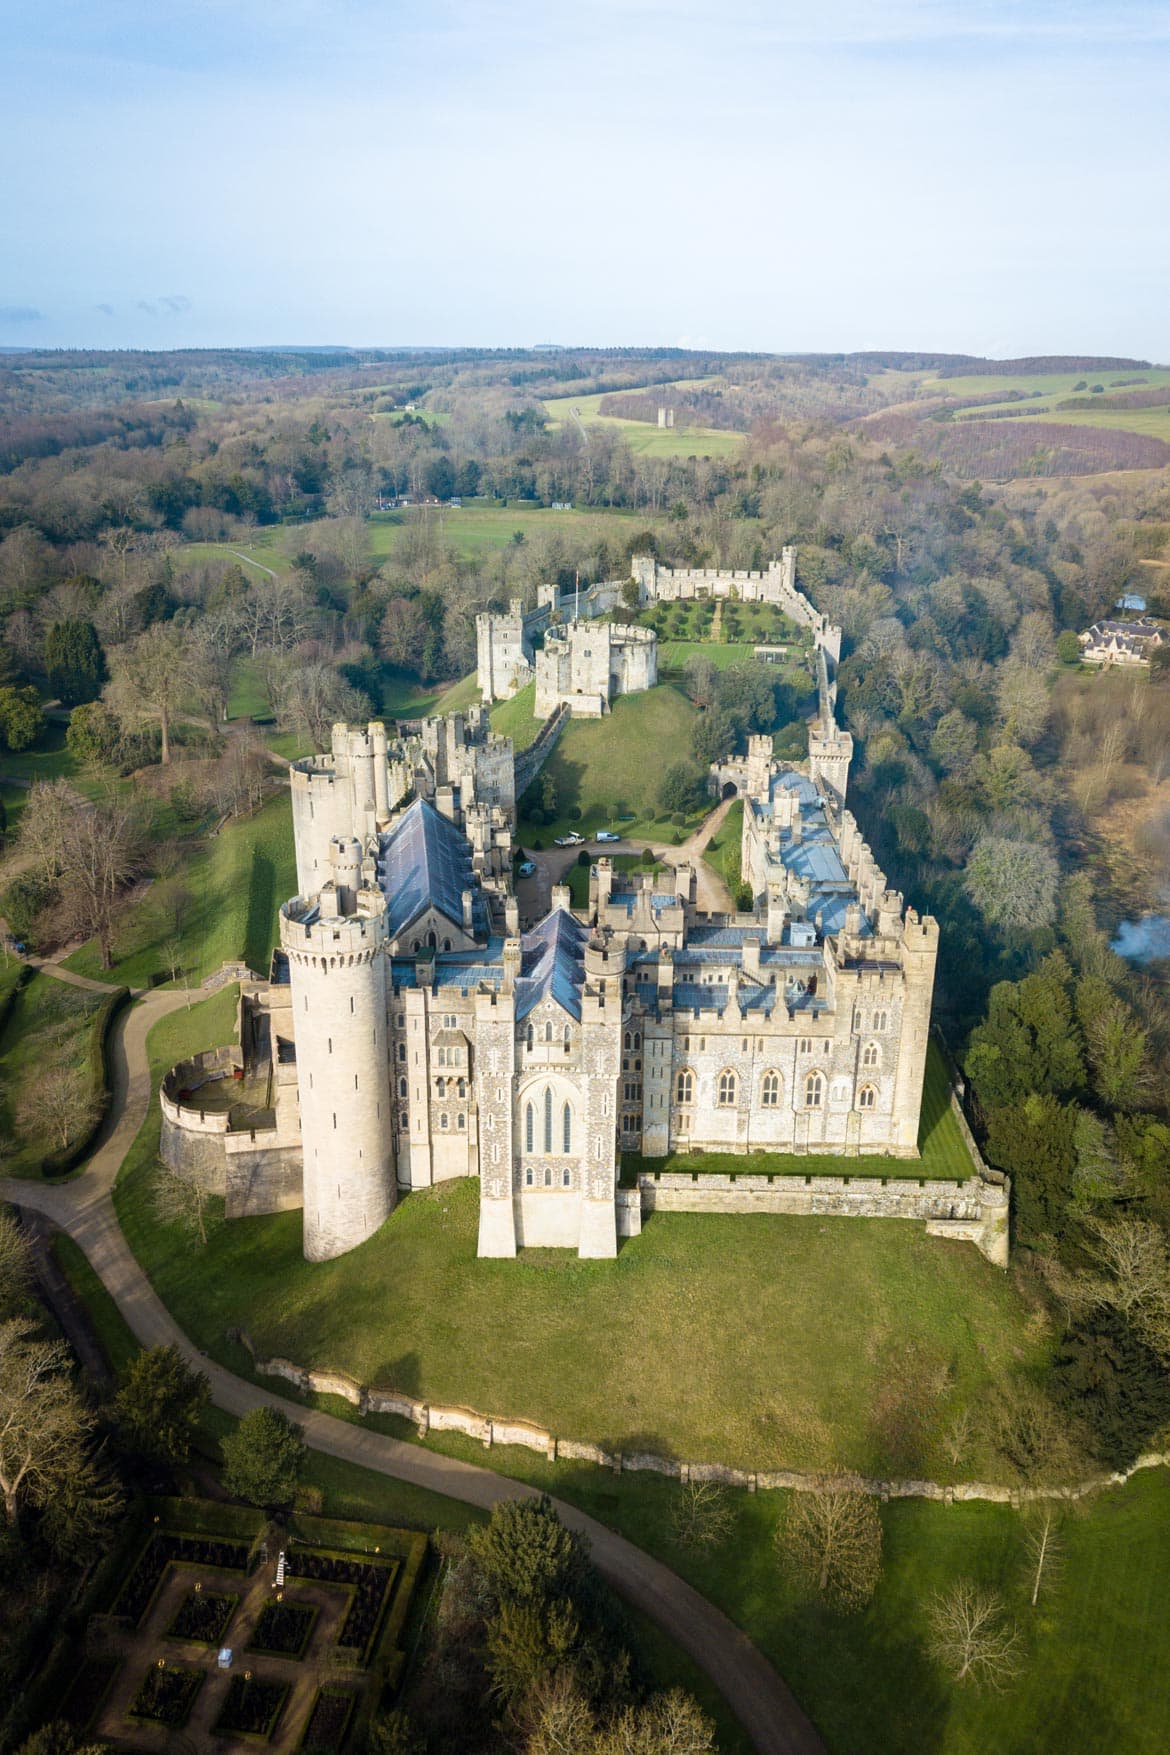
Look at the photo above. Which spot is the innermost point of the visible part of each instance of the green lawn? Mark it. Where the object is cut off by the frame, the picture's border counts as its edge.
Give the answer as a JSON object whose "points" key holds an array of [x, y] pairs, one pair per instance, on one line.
{"points": [[673, 654], [515, 718], [50, 760], [264, 550], [1094, 1681], [723, 852], [613, 766], [477, 527], [47, 1028], [646, 437], [235, 885]]}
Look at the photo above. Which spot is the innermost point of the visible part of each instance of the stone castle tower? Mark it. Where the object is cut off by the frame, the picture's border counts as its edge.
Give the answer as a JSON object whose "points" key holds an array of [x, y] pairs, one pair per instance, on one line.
{"points": [[335, 944]]}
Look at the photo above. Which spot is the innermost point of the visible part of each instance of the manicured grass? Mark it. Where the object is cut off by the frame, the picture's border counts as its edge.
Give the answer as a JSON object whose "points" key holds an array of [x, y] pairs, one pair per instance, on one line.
{"points": [[515, 718], [266, 548], [618, 760], [723, 852], [47, 1028], [831, 1302], [673, 654], [50, 760], [944, 1155], [477, 527], [236, 884], [1094, 1679]]}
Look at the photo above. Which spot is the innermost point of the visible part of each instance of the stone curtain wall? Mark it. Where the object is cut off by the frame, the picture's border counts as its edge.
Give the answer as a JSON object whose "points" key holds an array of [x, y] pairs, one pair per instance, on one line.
{"points": [[488, 1430], [530, 761]]}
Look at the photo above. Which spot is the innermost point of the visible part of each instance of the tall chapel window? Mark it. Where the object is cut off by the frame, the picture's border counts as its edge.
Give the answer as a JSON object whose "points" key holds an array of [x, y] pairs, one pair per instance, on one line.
{"points": [[548, 1145], [567, 1128]]}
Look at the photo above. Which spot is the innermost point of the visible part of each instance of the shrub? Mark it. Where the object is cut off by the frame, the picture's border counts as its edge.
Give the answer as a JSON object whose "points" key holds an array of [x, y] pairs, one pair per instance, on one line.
{"points": [[649, 857], [574, 813], [583, 857], [263, 1458]]}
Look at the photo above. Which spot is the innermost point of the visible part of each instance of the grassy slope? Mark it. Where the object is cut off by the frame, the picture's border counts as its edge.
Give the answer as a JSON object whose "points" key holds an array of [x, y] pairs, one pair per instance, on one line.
{"points": [[645, 437], [600, 762], [515, 718], [1055, 387], [49, 1023], [237, 883], [473, 528]]}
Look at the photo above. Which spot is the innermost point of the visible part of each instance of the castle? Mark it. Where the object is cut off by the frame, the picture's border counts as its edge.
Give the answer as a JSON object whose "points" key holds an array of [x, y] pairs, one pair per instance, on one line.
{"points": [[410, 1033], [587, 664]]}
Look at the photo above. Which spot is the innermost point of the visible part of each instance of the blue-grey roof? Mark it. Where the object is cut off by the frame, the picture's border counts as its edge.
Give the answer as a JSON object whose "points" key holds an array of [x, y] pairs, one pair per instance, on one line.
{"points": [[424, 861], [552, 961]]}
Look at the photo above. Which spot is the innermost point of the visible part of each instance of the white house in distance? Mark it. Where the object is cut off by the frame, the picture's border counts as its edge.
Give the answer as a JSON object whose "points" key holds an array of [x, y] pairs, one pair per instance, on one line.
{"points": [[1115, 642]]}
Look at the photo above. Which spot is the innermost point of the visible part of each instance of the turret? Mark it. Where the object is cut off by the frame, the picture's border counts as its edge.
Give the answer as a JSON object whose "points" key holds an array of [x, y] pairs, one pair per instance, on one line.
{"points": [[337, 974]]}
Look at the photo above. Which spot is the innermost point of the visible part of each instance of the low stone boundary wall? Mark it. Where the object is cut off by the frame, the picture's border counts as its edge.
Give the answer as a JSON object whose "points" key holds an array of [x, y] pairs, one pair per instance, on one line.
{"points": [[489, 1429], [972, 1212]]}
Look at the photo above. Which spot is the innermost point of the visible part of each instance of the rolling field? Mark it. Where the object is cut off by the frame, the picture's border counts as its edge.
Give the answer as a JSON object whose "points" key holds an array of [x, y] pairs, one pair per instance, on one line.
{"points": [[474, 529], [1056, 387], [644, 437]]}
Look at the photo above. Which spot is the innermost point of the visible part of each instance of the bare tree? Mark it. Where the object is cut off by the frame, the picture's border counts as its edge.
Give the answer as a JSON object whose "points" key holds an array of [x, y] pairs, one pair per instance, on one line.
{"points": [[310, 697], [969, 1636], [1136, 1261], [101, 854], [42, 1421], [181, 1198], [1044, 1541], [14, 1261], [60, 1102], [957, 1435], [48, 816], [702, 1515], [831, 1537], [152, 676]]}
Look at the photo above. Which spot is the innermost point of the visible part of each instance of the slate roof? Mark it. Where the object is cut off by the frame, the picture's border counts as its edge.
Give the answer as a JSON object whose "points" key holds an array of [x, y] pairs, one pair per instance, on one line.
{"points": [[552, 961], [424, 861]]}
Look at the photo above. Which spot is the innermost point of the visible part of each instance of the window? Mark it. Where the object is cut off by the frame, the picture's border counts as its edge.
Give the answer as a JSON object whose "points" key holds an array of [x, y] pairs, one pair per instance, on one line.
{"points": [[528, 1178], [881, 1020], [442, 1057], [440, 1087], [400, 1021], [770, 1091], [566, 1177], [529, 1130], [628, 1042], [402, 1089], [568, 1036], [461, 1087], [637, 1040], [530, 1036], [547, 1031], [869, 1054], [728, 1089], [631, 1091], [462, 1124], [548, 1179], [814, 1090], [867, 1097], [402, 1051], [444, 1124], [567, 1130], [684, 1086], [547, 1119], [804, 1046]]}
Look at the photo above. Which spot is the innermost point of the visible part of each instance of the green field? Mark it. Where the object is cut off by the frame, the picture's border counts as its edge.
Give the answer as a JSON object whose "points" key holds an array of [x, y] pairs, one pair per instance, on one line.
{"points": [[515, 719], [1056, 387], [234, 886], [474, 529], [602, 766], [48, 1027], [263, 552], [645, 437]]}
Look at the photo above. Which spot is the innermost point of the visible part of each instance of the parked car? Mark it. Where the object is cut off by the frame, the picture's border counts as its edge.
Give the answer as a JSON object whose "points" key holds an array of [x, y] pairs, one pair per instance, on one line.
{"points": [[607, 835], [525, 868], [573, 839]]}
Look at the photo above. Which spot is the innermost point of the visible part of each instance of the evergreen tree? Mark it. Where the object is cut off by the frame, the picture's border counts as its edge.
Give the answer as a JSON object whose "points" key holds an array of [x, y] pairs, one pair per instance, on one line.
{"points": [[74, 662]]}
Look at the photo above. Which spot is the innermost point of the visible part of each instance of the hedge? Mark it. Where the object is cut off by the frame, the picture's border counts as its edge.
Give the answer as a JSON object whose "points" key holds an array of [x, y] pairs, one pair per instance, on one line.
{"points": [[98, 1066]]}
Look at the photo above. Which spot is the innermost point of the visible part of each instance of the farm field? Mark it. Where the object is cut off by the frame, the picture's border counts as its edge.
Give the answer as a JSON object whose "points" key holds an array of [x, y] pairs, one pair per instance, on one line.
{"points": [[1048, 384], [1057, 387]]}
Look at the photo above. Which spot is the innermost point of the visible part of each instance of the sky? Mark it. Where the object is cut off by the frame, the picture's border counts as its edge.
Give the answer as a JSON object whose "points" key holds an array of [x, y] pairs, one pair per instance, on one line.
{"points": [[978, 176]]}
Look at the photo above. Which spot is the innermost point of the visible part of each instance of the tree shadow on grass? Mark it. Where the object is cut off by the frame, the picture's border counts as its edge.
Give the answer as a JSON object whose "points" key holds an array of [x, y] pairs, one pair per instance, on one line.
{"points": [[261, 911]]}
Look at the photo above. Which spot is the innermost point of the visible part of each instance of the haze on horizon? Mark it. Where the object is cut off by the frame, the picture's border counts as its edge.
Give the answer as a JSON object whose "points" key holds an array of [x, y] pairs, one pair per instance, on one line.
{"points": [[979, 176]]}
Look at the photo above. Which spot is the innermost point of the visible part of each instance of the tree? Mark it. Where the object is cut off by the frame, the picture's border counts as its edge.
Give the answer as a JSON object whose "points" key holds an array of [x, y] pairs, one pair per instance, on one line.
{"points": [[702, 679], [311, 697], [263, 1458], [14, 1264], [683, 787], [152, 676], [59, 1738], [160, 1403], [1013, 882], [1044, 1544], [1068, 647], [702, 1515], [712, 737], [669, 1724], [75, 663], [102, 852], [524, 1552], [95, 735], [1135, 1261], [43, 1424], [831, 1537], [969, 1637], [60, 1103], [181, 1197], [21, 718]]}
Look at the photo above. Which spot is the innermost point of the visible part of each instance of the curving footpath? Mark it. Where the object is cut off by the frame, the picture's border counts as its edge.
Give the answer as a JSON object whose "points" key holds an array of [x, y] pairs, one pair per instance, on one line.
{"points": [[84, 1208]]}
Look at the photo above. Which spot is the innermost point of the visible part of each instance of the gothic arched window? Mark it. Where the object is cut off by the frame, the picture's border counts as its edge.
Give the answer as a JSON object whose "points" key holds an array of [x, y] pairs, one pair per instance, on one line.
{"points": [[869, 1054], [814, 1090], [567, 1128], [529, 1129], [728, 1089], [684, 1086], [867, 1097], [547, 1120], [770, 1091]]}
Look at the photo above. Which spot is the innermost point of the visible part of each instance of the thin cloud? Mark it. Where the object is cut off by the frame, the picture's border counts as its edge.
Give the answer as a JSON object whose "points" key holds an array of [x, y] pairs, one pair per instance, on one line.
{"points": [[106, 310], [167, 305], [20, 314]]}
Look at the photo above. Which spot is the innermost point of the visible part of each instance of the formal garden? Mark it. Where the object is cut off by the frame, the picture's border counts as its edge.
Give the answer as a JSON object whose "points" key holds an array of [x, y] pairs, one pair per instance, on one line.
{"points": [[213, 1621]]}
